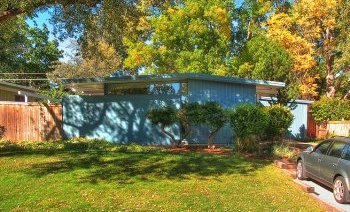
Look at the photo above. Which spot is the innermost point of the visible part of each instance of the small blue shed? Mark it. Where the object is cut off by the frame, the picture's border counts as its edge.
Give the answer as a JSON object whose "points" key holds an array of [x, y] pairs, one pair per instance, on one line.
{"points": [[115, 108]]}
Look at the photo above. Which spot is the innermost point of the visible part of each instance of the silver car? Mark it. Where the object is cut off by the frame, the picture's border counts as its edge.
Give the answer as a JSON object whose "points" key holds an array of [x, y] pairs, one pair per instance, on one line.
{"points": [[329, 164]]}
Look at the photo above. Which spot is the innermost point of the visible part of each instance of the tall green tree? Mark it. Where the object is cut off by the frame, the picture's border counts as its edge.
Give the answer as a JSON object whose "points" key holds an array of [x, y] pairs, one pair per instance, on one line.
{"points": [[191, 36], [25, 49]]}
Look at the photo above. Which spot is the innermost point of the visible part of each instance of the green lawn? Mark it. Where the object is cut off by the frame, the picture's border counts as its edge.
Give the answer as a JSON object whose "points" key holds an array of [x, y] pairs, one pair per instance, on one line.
{"points": [[159, 181]]}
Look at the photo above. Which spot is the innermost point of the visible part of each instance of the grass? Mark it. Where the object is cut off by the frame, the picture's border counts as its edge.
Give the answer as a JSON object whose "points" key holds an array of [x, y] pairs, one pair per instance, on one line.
{"points": [[140, 179]]}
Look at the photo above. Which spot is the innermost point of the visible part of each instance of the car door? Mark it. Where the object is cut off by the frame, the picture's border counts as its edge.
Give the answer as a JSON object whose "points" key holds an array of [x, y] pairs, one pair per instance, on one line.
{"points": [[329, 162], [344, 163], [313, 159]]}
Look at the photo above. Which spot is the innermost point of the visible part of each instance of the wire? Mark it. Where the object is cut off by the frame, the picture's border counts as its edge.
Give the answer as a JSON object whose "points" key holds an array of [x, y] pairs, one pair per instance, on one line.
{"points": [[29, 79], [23, 73]]}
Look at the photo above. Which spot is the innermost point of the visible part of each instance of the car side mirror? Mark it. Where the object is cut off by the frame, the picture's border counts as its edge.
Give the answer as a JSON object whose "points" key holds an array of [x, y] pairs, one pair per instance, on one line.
{"points": [[310, 149]]}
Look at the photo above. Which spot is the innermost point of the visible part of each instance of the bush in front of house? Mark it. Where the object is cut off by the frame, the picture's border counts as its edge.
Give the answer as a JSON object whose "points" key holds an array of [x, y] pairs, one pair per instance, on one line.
{"points": [[279, 120], [214, 116], [74, 144], [2, 131], [188, 115], [210, 114], [164, 117], [249, 123], [283, 151], [330, 109]]}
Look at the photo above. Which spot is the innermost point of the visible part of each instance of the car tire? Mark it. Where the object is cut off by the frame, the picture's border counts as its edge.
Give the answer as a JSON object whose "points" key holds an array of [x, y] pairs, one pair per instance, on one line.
{"points": [[300, 170], [340, 190]]}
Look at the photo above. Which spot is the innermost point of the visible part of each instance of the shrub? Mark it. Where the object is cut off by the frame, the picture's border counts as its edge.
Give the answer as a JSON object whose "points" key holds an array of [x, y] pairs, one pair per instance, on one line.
{"points": [[284, 151], [2, 131], [213, 115], [74, 144], [280, 118], [248, 122], [164, 117], [188, 115], [330, 109]]}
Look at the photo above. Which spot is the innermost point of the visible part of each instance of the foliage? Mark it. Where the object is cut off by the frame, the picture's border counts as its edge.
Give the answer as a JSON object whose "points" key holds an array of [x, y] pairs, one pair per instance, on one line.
{"points": [[188, 115], [262, 58], [189, 36], [249, 123], [280, 119], [285, 152], [2, 131], [330, 109], [102, 61], [55, 93], [73, 144], [164, 117], [25, 49], [213, 115]]}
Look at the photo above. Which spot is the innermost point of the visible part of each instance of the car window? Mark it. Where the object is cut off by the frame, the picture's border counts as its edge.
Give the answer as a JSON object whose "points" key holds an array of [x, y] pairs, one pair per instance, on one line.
{"points": [[347, 154], [323, 147], [337, 149]]}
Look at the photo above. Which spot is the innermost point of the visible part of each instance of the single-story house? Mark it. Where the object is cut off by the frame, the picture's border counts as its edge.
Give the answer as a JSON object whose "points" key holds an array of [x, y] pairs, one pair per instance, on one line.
{"points": [[115, 108], [18, 93]]}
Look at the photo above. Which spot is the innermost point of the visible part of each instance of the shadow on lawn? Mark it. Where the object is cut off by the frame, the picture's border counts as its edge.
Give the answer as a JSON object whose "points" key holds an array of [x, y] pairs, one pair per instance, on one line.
{"points": [[126, 168]]}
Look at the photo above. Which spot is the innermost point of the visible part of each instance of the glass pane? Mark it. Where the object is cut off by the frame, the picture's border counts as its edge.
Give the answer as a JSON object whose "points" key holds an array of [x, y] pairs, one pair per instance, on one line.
{"points": [[337, 149], [160, 89], [322, 148], [347, 154], [128, 88]]}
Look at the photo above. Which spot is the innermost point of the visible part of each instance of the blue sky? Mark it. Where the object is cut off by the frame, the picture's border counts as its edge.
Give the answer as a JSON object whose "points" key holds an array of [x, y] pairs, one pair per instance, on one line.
{"points": [[43, 18]]}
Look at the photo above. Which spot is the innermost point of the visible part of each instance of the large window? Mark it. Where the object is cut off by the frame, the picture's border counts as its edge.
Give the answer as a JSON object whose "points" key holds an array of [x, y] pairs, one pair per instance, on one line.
{"points": [[176, 88]]}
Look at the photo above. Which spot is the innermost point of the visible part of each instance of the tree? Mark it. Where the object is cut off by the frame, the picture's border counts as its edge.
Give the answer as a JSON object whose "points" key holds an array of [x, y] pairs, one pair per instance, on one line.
{"points": [[214, 116], [105, 62], [281, 29], [262, 58], [164, 117], [191, 36], [315, 33], [26, 49], [10, 8]]}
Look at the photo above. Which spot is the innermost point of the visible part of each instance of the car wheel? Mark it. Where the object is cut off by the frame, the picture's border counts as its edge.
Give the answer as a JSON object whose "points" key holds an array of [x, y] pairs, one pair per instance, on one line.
{"points": [[300, 170], [340, 190]]}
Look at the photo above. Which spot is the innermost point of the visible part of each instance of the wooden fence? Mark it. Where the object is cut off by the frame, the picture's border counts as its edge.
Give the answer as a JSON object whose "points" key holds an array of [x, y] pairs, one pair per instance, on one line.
{"points": [[340, 128], [31, 121]]}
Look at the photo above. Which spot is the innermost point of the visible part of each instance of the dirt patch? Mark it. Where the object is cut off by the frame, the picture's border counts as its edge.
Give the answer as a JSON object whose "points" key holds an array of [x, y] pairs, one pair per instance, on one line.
{"points": [[201, 149]]}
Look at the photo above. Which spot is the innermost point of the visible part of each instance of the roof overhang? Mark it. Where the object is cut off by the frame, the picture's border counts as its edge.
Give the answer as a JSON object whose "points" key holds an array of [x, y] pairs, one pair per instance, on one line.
{"points": [[95, 86], [23, 91]]}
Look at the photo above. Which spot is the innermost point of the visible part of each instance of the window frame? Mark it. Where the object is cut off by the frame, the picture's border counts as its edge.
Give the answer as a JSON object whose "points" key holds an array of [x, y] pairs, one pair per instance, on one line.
{"points": [[328, 148], [347, 149], [342, 153]]}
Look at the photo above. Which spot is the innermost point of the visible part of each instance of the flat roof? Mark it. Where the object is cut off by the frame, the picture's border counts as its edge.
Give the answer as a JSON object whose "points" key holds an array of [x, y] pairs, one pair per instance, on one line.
{"points": [[96, 85], [11, 86]]}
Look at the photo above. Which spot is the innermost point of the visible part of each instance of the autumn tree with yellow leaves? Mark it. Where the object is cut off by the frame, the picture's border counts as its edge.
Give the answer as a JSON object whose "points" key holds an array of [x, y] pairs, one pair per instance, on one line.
{"points": [[191, 36], [310, 34]]}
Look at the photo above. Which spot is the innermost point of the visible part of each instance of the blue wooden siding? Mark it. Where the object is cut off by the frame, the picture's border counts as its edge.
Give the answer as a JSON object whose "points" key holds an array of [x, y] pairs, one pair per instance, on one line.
{"points": [[120, 119], [228, 95], [298, 128]]}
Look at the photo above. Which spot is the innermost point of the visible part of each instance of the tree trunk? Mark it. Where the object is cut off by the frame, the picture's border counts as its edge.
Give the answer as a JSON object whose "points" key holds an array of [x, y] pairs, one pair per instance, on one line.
{"points": [[249, 32], [172, 137], [329, 60], [185, 132], [211, 137]]}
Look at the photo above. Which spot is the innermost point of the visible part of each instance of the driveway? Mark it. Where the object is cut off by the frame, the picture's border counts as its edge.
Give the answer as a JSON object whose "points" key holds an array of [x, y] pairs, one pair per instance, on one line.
{"points": [[324, 194]]}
